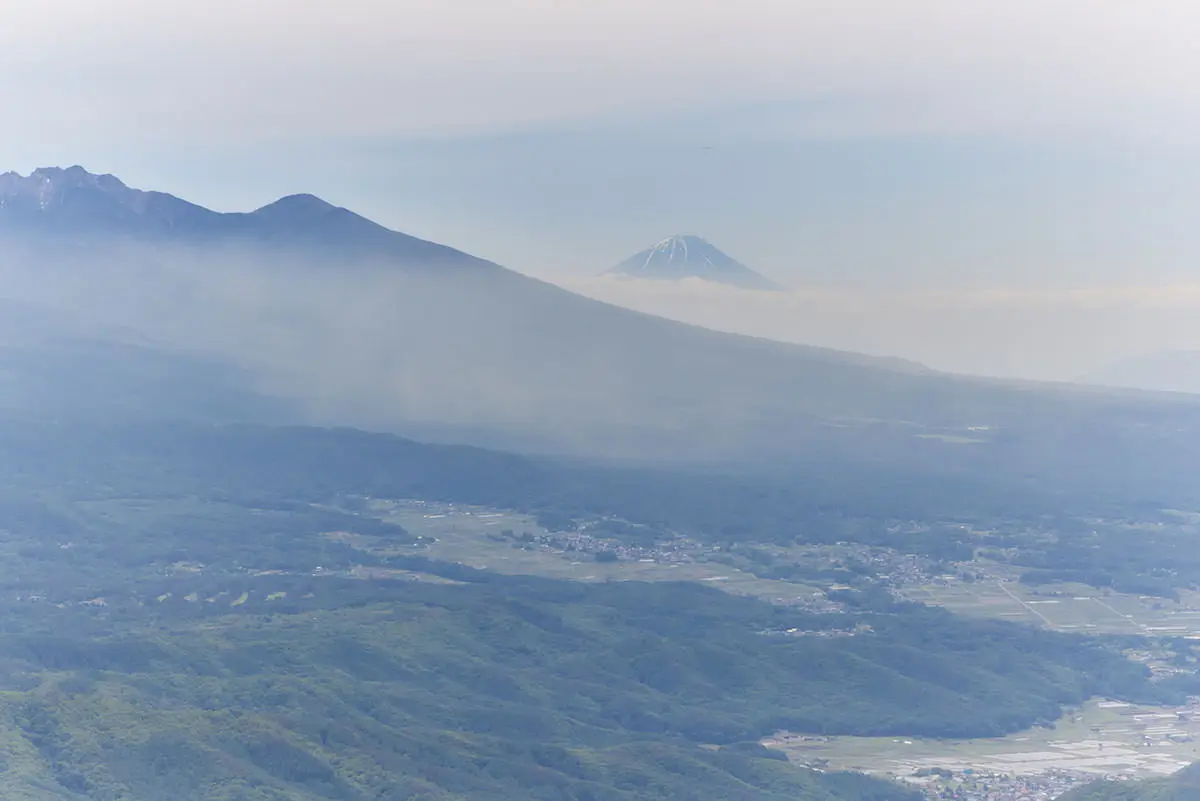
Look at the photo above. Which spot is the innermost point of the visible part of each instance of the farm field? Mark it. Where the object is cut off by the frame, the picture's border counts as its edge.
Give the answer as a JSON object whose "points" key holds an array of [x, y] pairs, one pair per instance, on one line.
{"points": [[1065, 607], [471, 536], [1103, 738]]}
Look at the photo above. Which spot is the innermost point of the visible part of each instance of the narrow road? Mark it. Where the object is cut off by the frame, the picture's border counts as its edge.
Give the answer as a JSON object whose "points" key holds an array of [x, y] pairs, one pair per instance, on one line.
{"points": [[1127, 618], [1028, 607]]}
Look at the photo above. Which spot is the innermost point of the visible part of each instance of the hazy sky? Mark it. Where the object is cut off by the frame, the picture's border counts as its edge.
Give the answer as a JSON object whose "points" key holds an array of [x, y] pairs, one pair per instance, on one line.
{"points": [[926, 145], [199, 70], [926, 140]]}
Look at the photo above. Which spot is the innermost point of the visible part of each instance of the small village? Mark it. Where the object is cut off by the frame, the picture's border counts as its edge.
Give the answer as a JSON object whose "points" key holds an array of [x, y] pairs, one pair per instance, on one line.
{"points": [[1103, 740], [1000, 787]]}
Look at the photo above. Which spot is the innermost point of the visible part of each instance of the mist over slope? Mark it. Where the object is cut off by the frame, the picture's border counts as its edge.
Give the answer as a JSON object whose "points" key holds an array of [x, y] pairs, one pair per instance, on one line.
{"points": [[1164, 371], [359, 325], [58, 366]]}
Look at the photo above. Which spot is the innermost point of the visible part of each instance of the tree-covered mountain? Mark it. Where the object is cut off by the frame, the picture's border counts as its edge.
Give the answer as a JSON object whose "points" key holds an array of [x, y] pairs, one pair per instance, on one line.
{"points": [[291, 687], [179, 624]]}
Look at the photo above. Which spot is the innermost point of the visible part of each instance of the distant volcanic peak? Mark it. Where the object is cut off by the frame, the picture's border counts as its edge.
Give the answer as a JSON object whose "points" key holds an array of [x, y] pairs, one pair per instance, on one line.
{"points": [[690, 256], [681, 247], [682, 240], [302, 204], [314, 220]]}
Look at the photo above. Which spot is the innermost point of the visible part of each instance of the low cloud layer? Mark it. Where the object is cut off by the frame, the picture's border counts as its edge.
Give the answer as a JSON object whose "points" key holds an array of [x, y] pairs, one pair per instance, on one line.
{"points": [[1046, 335]]}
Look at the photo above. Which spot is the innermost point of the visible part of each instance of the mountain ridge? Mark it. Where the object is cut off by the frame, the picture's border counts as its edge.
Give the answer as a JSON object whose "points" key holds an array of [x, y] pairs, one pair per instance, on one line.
{"points": [[59, 186], [54, 192], [342, 318], [73, 202]]}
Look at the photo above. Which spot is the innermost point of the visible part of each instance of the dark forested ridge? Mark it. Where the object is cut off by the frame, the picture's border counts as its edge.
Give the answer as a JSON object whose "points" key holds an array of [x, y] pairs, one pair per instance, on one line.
{"points": [[265, 466]]}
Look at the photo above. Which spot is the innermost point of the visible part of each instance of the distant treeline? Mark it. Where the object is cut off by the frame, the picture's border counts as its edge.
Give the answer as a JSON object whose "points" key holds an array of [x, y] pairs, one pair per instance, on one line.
{"points": [[262, 466], [282, 471]]}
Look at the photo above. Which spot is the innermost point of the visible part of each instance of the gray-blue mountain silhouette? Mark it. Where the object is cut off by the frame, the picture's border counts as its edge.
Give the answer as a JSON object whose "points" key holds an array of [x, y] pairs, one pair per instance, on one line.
{"points": [[687, 256], [75, 206], [348, 323]]}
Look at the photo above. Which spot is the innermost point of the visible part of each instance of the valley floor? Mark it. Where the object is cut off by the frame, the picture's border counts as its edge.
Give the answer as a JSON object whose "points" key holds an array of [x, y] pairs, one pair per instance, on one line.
{"points": [[1101, 739]]}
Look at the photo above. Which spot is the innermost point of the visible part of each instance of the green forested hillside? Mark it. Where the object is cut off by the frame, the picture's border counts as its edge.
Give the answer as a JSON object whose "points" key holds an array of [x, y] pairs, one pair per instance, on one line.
{"points": [[1182, 786], [326, 688], [176, 626]]}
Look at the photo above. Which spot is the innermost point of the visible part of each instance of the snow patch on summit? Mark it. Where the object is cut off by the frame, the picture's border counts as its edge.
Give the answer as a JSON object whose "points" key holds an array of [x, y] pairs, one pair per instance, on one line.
{"points": [[688, 256]]}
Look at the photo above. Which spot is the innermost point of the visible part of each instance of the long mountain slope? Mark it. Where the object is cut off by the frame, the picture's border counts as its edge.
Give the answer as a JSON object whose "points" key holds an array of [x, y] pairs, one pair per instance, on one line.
{"points": [[74, 206], [362, 325]]}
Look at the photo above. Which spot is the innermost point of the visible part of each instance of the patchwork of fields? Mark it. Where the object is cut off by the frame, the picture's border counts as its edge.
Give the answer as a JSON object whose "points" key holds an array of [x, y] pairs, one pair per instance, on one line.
{"points": [[1102, 739], [1065, 607], [471, 536]]}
